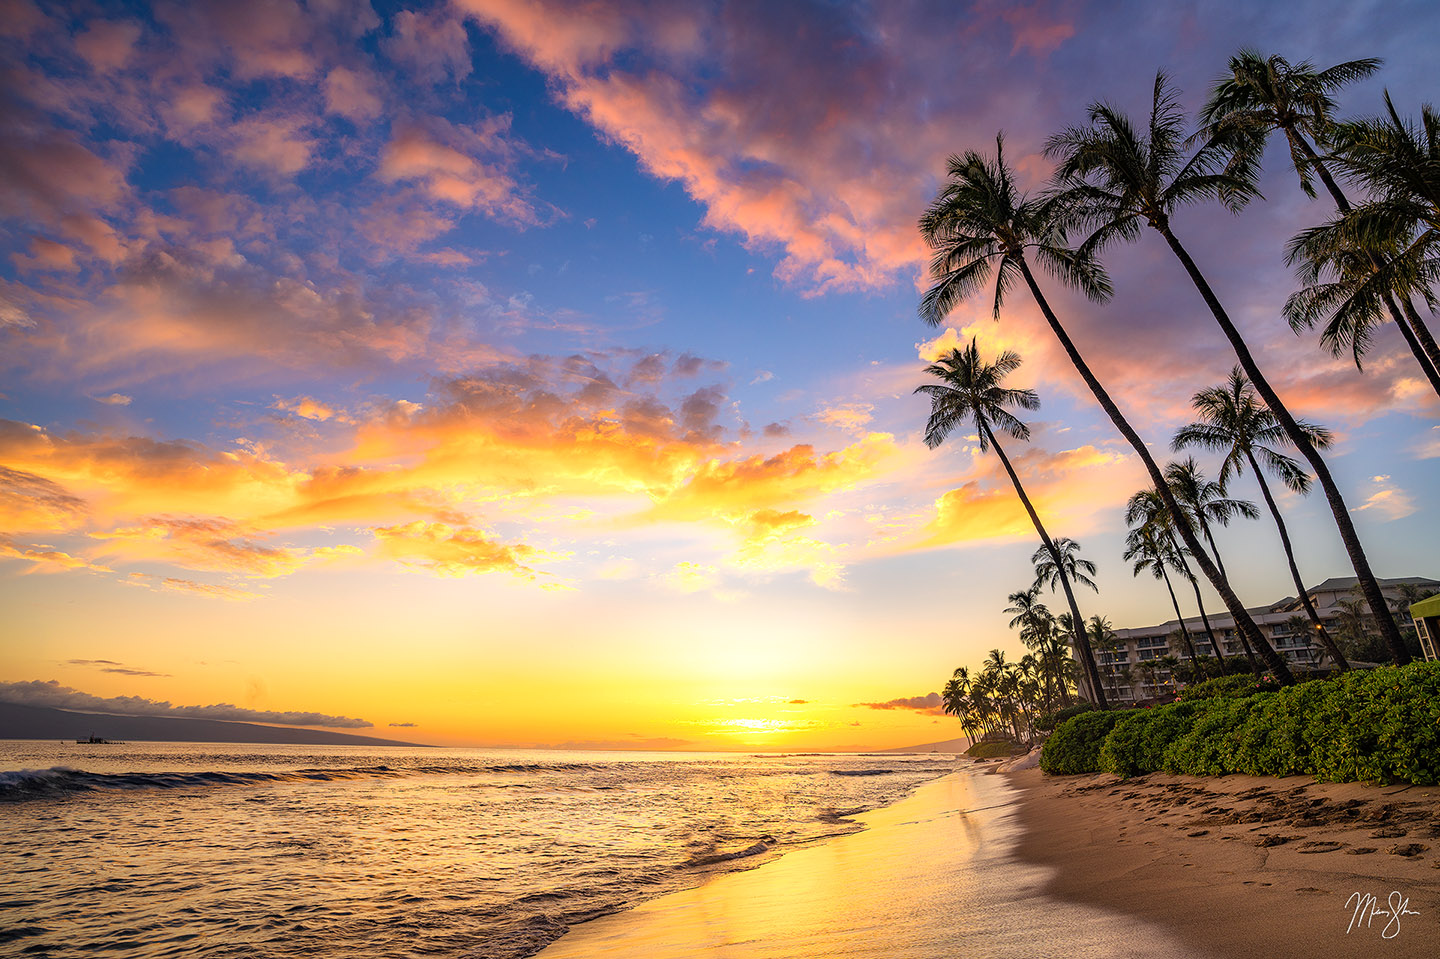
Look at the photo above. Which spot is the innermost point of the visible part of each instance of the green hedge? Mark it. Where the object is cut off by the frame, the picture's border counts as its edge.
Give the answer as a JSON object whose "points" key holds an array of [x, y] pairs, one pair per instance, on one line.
{"points": [[1074, 747], [1380, 725], [1049, 721], [1230, 687]]}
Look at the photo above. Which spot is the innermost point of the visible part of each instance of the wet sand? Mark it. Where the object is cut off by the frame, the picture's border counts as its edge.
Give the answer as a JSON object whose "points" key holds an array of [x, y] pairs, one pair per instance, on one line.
{"points": [[1241, 866], [931, 877]]}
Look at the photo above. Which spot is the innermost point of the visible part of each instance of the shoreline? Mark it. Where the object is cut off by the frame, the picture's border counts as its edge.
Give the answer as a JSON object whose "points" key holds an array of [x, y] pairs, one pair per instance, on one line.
{"points": [[1242, 866], [933, 876]]}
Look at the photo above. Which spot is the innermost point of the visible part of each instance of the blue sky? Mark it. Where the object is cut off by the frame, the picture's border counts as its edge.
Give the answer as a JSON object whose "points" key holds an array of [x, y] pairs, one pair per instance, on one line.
{"points": [[414, 337]]}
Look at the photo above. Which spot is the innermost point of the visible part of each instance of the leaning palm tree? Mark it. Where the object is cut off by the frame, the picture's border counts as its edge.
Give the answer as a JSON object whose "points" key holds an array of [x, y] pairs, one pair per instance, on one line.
{"points": [[1152, 553], [1077, 570], [1120, 180], [1147, 509], [1205, 501], [1235, 423], [981, 224], [1263, 95], [1397, 229], [971, 390]]}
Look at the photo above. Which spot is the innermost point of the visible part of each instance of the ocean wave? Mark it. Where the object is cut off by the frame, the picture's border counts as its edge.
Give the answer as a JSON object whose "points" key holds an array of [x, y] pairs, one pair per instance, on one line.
{"points": [[861, 772], [759, 848], [60, 780]]}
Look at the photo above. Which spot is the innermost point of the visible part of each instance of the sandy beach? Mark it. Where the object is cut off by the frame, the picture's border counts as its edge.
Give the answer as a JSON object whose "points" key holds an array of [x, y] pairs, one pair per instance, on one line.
{"points": [[1241, 866], [931, 877], [997, 864]]}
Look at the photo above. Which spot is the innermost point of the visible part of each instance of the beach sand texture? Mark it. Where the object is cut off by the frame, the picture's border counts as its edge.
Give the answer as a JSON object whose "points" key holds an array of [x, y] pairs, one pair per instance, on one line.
{"points": [[1242, 866], [931, 877]]}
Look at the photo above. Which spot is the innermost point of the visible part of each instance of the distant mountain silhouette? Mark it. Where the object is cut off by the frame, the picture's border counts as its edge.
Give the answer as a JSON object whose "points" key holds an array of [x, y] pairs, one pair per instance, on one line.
{"points": [[944, 746], [42, 722]]}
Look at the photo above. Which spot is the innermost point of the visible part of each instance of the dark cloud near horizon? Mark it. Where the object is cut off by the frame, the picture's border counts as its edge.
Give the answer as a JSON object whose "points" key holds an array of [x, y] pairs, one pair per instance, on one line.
{"points": [[110, 666], [403, 725], [929, 703], [50, 693]]}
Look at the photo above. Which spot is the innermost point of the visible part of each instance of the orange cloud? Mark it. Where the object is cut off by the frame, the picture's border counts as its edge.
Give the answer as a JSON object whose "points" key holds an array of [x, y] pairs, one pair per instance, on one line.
{"points": [[441, 159], [453, 551]]}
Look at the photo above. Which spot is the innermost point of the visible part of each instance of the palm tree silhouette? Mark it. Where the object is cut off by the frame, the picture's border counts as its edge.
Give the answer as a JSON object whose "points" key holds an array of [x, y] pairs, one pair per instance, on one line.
{"points": [[1152, 553], [1147, 509], [971, 390], [1121, 180], [1384, 250], [1234, 422], [1205, 501], [981, 224]]}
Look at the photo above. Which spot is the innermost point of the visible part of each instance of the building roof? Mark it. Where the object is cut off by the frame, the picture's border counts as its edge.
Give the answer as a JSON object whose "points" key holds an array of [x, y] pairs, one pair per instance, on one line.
{"points": [[1290, 604], [1426, 608]]}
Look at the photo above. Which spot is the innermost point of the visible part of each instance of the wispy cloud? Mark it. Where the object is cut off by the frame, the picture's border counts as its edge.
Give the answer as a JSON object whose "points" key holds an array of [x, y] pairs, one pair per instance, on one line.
{"points": [[51, 693]]}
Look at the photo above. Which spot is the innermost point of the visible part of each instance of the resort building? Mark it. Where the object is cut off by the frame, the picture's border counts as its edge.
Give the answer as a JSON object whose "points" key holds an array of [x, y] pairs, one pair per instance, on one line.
{"points": [[1136, 666]]}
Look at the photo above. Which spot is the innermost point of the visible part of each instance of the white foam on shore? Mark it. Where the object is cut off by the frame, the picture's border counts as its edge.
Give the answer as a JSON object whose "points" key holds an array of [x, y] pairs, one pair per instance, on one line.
{"points": [[932, 877]]}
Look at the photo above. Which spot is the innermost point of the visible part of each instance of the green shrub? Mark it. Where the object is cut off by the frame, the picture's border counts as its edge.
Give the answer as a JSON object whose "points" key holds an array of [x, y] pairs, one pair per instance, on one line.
{"points": [[1379, 725], [1049, 721], [1138, 742], [1209, 748], [1231, 687], [1075, 745], [998, 747], [1273, 741]]}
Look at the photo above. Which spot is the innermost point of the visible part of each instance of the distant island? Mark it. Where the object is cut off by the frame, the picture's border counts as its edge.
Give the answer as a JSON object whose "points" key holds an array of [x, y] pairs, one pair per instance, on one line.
{"points": [[41, 722]]}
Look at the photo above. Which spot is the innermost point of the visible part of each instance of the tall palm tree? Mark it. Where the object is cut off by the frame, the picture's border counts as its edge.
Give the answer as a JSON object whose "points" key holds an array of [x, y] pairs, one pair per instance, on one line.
{"points": [[1048, 570], [1120, 180], [1152, 553], [1147, 509], [1205, 501], [1235, 423], [971, 390], [981, 224], [1262, 95], [1398, 228]]}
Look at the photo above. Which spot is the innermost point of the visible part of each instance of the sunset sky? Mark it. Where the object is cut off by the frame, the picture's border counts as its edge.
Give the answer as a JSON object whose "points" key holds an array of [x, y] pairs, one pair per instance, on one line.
{"points": [[500, 372]]}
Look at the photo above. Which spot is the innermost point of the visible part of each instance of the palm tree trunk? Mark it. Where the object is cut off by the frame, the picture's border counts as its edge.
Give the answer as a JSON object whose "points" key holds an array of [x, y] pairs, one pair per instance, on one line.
{"points": [[1368, 586], [1184, 633], [1412, 328], [1210, 537], [1200, 602], [1420, 334], [1082, 641], [1243, 622], [1321, 633]]}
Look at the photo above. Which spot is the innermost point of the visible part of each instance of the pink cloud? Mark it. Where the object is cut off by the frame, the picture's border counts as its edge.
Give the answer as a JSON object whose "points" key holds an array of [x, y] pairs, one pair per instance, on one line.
{"points": [[351, 93], [107, 45], [432, 44], [275, 143], [443, 161]]}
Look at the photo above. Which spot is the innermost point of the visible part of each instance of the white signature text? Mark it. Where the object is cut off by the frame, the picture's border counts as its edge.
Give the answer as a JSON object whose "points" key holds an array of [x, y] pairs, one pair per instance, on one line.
{"points": [[1368, 908]]}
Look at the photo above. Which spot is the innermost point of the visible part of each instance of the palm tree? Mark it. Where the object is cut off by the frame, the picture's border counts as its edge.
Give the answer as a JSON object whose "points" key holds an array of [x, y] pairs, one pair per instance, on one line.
{"points": [[1400, 164], [1234, 422], [1205, 502], [971, 390], [1121, 180], [1261, 95], [1037, 629], [981, 224], [1077, 570], [1153, 529]]}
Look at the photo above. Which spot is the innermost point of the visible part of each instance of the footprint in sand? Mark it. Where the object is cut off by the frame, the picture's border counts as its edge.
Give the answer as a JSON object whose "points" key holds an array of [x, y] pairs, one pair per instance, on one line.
{"points": [[1316, 847]]}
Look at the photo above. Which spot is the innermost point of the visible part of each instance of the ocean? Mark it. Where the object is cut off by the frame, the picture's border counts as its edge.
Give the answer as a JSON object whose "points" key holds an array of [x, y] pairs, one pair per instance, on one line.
{"points": [[183, 849]]}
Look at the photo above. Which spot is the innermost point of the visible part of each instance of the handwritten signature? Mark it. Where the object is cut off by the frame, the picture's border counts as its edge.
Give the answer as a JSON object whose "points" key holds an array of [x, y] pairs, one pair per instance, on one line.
{"points": [[1367, 908]]}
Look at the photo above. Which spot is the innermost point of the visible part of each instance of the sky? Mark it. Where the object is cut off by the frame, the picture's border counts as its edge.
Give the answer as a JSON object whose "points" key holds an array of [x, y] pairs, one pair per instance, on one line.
{"points": [[541, 373]]}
